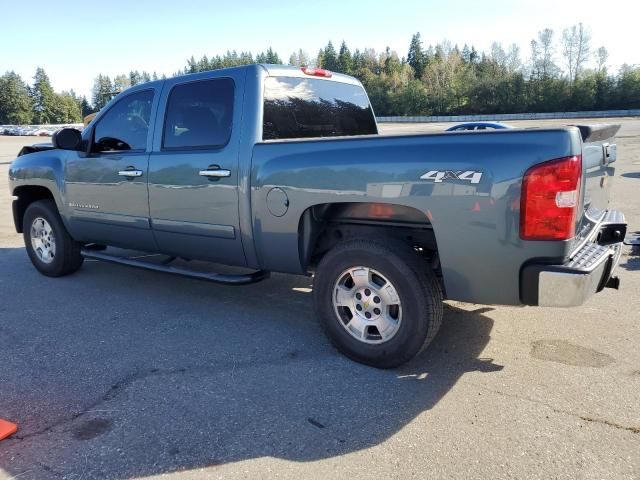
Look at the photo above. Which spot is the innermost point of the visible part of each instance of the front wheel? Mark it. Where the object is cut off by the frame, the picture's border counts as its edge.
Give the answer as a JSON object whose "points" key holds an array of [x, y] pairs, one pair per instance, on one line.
{"points": [[50, 247], [378, 301]]}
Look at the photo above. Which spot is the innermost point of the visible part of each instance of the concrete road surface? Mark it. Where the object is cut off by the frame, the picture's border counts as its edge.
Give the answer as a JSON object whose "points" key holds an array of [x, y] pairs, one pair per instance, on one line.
{"points": [[120, 373]]}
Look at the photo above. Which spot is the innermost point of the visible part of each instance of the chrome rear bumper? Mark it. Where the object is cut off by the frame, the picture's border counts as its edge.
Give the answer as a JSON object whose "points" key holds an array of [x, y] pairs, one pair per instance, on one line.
{"points": [[570, 284]]}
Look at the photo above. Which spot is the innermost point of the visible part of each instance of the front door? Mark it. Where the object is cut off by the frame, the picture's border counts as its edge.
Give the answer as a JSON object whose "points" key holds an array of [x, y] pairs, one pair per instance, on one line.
{"points": [[193, 172], [107, 187]]}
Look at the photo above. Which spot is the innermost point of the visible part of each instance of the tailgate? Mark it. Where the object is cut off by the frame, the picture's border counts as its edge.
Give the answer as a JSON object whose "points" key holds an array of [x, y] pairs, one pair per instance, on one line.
{"points": [[598, 157]]}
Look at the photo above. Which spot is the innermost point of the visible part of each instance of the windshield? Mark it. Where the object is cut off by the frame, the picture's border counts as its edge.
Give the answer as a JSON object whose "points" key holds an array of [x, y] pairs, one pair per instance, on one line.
{"points": [[307, 108]]}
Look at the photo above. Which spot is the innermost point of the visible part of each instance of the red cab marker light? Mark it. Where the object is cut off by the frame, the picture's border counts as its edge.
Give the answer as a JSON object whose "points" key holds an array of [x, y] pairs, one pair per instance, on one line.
{"points": [[380, 210], [316, 72], [7, 429]]}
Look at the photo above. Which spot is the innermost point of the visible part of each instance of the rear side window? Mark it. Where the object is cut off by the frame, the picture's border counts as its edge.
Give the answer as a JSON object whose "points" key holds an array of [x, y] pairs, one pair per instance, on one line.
{"points": [[307, 108], [125, 126], [199, 115]]}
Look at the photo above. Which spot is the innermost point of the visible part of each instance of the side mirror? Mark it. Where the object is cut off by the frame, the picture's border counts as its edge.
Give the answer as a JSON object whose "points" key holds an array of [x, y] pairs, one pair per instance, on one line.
{"points": [[67, 139]]}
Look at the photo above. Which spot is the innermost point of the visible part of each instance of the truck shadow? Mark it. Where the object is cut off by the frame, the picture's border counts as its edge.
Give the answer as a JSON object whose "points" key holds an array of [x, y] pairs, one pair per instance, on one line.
{"points": [[631, 259], [117, 373]]}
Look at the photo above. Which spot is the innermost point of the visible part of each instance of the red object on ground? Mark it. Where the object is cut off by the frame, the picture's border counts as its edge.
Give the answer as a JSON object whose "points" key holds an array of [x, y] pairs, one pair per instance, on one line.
{"points": [[476, 207], [7, 429]]}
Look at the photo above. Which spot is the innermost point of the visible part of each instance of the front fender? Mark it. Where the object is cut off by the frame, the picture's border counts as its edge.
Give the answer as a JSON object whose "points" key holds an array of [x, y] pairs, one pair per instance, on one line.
{"points": [[40, 169]]}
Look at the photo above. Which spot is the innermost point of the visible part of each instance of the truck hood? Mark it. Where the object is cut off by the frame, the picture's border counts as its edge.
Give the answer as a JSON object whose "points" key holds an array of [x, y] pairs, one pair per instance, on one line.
{"points": [[38, 147]]}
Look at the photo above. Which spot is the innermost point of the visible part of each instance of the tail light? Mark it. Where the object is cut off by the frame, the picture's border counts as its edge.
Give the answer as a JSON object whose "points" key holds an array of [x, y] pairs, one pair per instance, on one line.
{"points": [[316, 72], [550, 200]]}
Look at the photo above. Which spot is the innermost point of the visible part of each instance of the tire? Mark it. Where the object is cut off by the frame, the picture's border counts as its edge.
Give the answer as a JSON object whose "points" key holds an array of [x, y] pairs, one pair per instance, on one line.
{"points": [[384, 341], [53, 253]]}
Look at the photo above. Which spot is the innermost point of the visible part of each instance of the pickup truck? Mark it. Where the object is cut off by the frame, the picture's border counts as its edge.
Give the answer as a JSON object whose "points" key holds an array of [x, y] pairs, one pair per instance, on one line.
{"points": [[281, 169]]}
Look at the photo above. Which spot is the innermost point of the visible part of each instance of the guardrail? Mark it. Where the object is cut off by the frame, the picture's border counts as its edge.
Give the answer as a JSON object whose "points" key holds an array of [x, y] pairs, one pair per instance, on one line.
{"points": [[511, 116]]}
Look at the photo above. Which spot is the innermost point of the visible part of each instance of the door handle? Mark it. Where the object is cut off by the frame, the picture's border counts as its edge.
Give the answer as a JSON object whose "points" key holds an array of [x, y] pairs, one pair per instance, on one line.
{"points": [[130, 173], [215, 172]]}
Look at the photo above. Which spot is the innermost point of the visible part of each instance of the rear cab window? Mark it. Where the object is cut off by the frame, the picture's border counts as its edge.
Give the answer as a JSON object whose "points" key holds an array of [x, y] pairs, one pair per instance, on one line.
{"points": [[199, 115], [311, 108]]}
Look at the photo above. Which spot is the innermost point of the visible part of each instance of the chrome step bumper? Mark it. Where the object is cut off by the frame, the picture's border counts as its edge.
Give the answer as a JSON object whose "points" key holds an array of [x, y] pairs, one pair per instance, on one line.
{"points": [[570, 284]]}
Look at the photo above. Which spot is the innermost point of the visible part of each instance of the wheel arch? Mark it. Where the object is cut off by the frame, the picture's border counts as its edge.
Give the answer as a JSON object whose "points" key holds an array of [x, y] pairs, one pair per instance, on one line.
{"points": [[321, 226], [26, 195]]}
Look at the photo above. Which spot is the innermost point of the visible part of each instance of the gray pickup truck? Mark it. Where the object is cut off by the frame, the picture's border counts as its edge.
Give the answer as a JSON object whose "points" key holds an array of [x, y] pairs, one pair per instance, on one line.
{"points": [[282, 169]]}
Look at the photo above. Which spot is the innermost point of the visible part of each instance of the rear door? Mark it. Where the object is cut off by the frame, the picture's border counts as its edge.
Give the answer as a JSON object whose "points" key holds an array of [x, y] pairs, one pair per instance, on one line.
{"points": [[193, 170], [106, 188]]}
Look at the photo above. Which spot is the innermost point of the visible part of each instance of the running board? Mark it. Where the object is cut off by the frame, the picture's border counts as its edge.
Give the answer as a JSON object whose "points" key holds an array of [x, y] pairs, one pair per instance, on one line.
{"points": [[228, 279]]}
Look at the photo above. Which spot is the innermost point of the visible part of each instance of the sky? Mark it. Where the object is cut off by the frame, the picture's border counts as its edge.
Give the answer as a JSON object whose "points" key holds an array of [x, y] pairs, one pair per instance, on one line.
{"points": [[74, 41]]}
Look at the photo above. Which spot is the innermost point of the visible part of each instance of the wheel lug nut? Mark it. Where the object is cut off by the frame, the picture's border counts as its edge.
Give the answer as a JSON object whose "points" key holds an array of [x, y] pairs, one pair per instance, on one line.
{"points": [[367, 292], [367, 314], [359, 307], [358, 296], [376, 299], [376, 311]]}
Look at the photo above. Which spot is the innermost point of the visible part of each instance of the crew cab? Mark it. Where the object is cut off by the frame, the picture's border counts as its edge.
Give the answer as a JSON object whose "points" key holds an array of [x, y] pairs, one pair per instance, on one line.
{"points": [[282, 169]]}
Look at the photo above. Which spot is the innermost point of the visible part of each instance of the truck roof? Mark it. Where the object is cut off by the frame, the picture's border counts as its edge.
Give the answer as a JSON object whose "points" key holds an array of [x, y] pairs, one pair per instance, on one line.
{"points": [[292, 71], [271, 70]]}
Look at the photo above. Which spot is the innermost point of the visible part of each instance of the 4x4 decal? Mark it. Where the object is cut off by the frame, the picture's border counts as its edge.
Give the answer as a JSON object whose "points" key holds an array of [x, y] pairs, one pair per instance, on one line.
{"points": [[438, 176]]}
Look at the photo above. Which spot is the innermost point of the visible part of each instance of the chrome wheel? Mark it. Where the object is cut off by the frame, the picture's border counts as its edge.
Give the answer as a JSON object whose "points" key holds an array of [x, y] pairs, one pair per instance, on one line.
{"points": [[43, 241], [367, 305]]}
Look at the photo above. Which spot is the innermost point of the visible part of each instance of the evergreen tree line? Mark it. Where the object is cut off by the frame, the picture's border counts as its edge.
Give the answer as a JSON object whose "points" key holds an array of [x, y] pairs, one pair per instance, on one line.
{"points": [[446, 80], [104, 87], [22, 104], [561, 73]]}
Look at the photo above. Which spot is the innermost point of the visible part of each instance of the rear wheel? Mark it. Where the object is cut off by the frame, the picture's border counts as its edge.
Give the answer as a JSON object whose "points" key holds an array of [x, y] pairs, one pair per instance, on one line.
{"points": [[378, 301], [50, 247]]}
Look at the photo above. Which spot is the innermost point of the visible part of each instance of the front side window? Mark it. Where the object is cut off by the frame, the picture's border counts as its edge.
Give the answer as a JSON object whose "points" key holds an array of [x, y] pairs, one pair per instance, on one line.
{"points": [[306, 108], [126, 125], [199, 115]]}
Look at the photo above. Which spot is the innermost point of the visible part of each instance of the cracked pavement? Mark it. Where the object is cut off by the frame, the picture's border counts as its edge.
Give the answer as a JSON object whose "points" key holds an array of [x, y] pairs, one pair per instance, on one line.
{"points": [[120, 373]]}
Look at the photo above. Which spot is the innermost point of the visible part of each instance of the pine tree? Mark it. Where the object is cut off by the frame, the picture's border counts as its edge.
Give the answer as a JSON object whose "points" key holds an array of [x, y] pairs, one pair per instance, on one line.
{"points": [[330, 58], [134, 78], [15, 103], [246, 58], [269, 57], [102, 91], [344, 59], [299, 59], [356, 62], [416, 56], [272, 57], [192, 65], [43, 98], [319, 63], [466, 54], [85, 107]]}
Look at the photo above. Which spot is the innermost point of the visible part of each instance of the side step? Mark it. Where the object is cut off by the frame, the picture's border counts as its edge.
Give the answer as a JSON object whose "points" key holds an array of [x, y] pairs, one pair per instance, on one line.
{"points": [[228, 279]]}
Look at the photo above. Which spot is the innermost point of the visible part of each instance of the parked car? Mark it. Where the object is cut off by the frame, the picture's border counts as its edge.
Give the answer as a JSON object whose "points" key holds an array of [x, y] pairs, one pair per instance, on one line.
{"points": [[281, 169], [473, 126]]}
